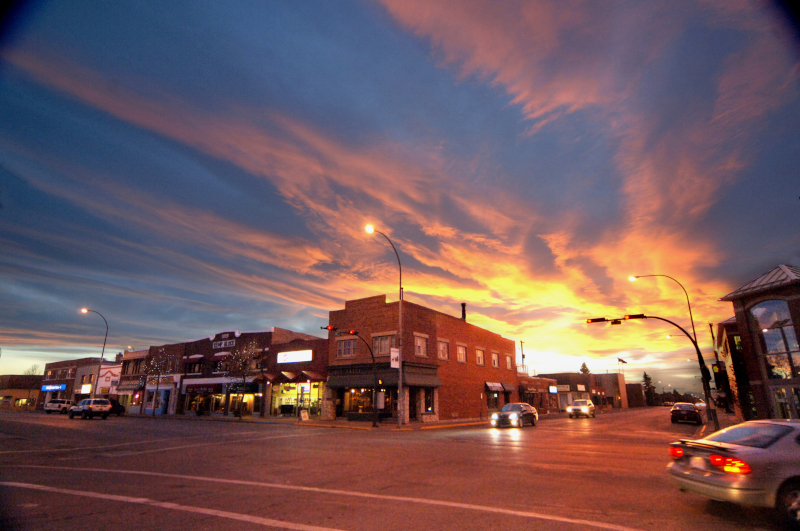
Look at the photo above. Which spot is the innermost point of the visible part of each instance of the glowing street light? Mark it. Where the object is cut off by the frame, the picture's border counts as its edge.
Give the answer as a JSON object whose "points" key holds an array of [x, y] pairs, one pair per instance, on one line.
{"points": [[400, 402], [102, 355], [633, 278]]}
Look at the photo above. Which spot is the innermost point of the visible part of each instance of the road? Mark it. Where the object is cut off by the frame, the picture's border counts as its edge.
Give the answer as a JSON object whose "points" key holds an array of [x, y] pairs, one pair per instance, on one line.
{"points": [[141, 473]]}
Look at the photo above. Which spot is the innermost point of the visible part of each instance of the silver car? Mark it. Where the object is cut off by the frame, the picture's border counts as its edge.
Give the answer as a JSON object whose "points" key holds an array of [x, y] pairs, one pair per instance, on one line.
{"points": [[581, 408], [754, 463]]}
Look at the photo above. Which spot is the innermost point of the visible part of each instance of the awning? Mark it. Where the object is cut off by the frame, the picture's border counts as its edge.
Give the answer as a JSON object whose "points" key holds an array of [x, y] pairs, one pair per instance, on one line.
{"points": [[508, 387], [204, 389], [314, 376], [134, 385], [193, 357], [264, 377], [421, 380], [220, 355], [388, 377], [494, 386]]}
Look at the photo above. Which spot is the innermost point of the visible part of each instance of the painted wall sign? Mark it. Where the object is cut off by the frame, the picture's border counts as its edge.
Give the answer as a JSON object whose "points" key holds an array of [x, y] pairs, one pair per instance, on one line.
{"points": [[554, 389], [56, 387], [295, 356]]}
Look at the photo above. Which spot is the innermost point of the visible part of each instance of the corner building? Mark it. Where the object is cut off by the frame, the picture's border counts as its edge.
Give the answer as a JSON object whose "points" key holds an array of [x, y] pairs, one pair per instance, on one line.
{"points": [[451, 368]]}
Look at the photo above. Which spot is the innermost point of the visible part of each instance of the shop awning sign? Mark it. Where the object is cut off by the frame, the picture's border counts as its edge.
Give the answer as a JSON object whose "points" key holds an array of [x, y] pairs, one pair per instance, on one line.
{"points": [[54, 387]]}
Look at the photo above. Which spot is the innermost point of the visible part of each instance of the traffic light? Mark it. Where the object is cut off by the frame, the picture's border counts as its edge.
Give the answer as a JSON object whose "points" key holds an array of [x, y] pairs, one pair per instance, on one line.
{"points": [[635, 316], [597, 320], [329, 328], [353, 332]]}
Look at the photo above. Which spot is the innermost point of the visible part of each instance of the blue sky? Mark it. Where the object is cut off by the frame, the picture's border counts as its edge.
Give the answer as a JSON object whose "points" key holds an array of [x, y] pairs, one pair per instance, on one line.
{"points": [[186, 168]]}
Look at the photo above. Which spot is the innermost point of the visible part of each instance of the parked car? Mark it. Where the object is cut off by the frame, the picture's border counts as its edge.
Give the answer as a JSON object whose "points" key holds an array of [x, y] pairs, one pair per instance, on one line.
{"points": [[89, 407], [116, 408], [755, 463], [515, 415], [669, 404], [700, 404], [58, 404], [685, 412], [581, 408]]}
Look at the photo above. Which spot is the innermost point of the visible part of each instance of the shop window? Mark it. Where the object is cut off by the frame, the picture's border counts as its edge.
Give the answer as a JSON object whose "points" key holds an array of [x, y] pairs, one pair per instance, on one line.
{"points": [[429, 399], [443, 350], [381, 345], [421, 346], [492, 400], [774, 335], [49, 375], [71, 373], [495, 360], [346, 348], [461, 351]]}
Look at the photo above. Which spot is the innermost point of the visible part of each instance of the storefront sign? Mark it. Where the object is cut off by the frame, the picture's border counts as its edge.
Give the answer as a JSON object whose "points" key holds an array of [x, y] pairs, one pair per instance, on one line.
{"points": [[248, 388], [394, 354], [581, 387], [54, 387], [294, 356], [553, 389], [563, 388], [86, 389], [204, 389]]}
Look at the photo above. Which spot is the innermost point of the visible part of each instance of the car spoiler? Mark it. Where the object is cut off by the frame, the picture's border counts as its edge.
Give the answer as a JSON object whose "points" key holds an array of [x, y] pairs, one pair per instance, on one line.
{"points": [[706, 445]]}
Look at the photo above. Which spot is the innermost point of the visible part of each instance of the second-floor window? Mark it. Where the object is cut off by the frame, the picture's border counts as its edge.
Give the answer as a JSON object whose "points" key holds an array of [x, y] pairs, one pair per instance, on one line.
{"points": [[421, 346], [479, 356], [509, 364], [444, 350], [462, 353], [382, 344], [495, 360], [346, 348]]}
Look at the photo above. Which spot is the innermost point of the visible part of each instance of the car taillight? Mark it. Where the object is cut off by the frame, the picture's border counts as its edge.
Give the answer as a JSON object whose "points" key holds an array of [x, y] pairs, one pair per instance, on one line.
{"points": [[676, 452], [730, 465]]}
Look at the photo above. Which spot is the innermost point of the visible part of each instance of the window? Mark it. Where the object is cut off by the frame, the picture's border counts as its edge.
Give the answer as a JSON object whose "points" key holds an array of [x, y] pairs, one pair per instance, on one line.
{"points": [[462, 353], [509, 365], [429, 402], [71, 373], [444, 350], [421, 346], [495, 360], [49, 375], [774, 334], [479, 356], [83, 379], [346, 348], [380, 345]]}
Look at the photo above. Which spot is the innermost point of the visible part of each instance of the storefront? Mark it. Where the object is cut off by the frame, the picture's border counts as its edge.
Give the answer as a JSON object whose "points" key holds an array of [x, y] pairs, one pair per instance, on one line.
{"points": [[293, 392], [160, 395], [130, 395]]}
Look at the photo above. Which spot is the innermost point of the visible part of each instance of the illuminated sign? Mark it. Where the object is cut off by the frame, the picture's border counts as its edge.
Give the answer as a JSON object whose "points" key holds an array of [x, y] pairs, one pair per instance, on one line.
{"points": [[86, 389], [55, 387], [295, 356], [553, 389], [581, 387]]}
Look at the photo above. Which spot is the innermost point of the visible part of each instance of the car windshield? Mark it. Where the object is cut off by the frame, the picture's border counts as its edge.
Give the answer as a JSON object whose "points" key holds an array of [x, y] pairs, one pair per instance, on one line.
{"points": [[512, 407], [756, 435], [580, 403]]}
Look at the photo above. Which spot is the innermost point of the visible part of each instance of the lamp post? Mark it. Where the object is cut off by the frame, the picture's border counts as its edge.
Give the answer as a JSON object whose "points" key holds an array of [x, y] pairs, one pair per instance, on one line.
{"points": [[400, 410], [633, 278], [103, 353], [706, 376]]}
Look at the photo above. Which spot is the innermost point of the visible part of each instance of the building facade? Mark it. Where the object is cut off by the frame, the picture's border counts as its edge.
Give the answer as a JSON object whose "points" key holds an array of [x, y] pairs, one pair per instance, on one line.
{"points": [[767, 313], [451, 369], [19, 391], [71, 380]]}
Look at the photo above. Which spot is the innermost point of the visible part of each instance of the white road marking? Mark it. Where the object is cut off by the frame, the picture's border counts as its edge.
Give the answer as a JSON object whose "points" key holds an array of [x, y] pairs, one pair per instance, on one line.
{"points": [[385, 497], [174, 506]]}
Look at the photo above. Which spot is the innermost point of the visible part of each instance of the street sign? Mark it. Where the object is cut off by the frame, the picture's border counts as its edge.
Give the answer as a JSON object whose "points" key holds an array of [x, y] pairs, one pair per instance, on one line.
{"points": [[394, 354]]}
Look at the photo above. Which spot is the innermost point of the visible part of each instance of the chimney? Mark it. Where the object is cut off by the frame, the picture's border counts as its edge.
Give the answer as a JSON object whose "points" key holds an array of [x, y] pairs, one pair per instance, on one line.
{"points": [[464, 311]]}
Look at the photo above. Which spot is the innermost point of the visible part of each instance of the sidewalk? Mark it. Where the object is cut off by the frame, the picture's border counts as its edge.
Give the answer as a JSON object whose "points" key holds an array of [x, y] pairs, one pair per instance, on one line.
{"points": [[726, 420]]}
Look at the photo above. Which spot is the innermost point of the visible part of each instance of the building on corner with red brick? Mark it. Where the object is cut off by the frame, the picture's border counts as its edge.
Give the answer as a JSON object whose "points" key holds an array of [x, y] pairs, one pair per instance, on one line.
{"points": [[451, 369]]}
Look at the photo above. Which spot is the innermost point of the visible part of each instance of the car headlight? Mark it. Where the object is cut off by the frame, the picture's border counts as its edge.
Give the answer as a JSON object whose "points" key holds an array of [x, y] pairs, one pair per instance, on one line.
{"points": [[585, 409], [495, 416], [513, 416], [569, 409]]}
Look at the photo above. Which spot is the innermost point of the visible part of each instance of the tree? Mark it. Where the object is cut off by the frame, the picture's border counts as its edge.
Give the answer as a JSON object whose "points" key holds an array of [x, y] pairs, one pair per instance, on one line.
{"points": [[585, 369], [240, 364], [31, 382], [160, 362], [649, 390]]}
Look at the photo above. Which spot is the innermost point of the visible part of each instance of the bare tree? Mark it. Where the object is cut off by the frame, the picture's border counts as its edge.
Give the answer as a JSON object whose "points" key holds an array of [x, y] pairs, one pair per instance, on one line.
{"points": [[31, 382], [240, 364], [159, 363]]}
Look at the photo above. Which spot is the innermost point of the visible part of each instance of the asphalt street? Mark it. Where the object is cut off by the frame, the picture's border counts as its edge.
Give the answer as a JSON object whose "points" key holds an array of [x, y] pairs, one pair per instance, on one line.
{"points": [[134, 473]]}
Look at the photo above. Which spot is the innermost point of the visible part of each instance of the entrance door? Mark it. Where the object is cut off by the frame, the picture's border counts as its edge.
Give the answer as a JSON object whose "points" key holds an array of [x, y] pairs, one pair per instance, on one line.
{"points": [[786, 401], [413, 397]]}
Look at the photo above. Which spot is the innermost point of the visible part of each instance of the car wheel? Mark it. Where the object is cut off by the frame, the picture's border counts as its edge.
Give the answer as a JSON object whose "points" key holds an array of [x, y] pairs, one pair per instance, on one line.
{"points": [[48, 411], [65, 410], [91, 416], [570, 416], [533, 421], [105, 416], [789, 503], [674, 421], [71, 415]]}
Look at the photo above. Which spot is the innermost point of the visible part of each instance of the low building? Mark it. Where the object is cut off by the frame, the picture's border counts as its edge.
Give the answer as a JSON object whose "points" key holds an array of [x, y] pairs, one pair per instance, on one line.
{"points": [[132, 380], [71, 379], [635, 395], [767, 313], [451, 369], [541, 393], [19, 391], [604, 390]]}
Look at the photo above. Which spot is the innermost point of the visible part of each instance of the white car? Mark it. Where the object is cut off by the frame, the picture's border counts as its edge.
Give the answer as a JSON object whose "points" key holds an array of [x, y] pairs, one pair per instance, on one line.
{"points": [[58, 405], [581, 408], [89, 407], [754, 463]]}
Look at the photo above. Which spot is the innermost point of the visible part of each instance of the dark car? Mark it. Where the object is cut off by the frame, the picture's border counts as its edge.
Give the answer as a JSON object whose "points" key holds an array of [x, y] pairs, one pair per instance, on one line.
{"points": [[755, 463], [685, 412], [116, 408], [515, 415]]}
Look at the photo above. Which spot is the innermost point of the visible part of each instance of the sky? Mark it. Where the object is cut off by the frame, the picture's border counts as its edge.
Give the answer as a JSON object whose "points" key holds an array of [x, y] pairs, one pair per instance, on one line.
{"points": [[187, 168]]}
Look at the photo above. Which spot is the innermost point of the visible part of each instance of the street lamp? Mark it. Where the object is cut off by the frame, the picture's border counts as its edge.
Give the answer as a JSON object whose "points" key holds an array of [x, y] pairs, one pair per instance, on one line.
{"points": [[102, 355], [370, 229], [633, 278]]}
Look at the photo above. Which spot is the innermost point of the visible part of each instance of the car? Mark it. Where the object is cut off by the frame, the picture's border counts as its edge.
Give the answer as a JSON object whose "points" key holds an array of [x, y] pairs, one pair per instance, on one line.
{"points": [[116, 408], [89, 407], [685, 412], [515, 414], [755, 463], [700, 404], [58, 404], [581, 408], [669, 404]]}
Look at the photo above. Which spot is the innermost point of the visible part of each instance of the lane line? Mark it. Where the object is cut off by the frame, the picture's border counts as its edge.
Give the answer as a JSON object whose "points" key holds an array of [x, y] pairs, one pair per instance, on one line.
{"points": [[173, 506], [318, 490]]}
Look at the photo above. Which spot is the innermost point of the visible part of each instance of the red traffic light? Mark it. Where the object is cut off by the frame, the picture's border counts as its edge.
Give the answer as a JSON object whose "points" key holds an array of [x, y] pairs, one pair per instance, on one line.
{"points": [[635, 316], [597, 320], [353, 332], [328, 328]]}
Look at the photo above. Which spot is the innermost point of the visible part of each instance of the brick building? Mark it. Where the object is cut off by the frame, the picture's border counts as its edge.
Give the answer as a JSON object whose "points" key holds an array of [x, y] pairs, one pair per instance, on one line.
{"points": [[71, 379], [19, 391], [451, 368]]}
